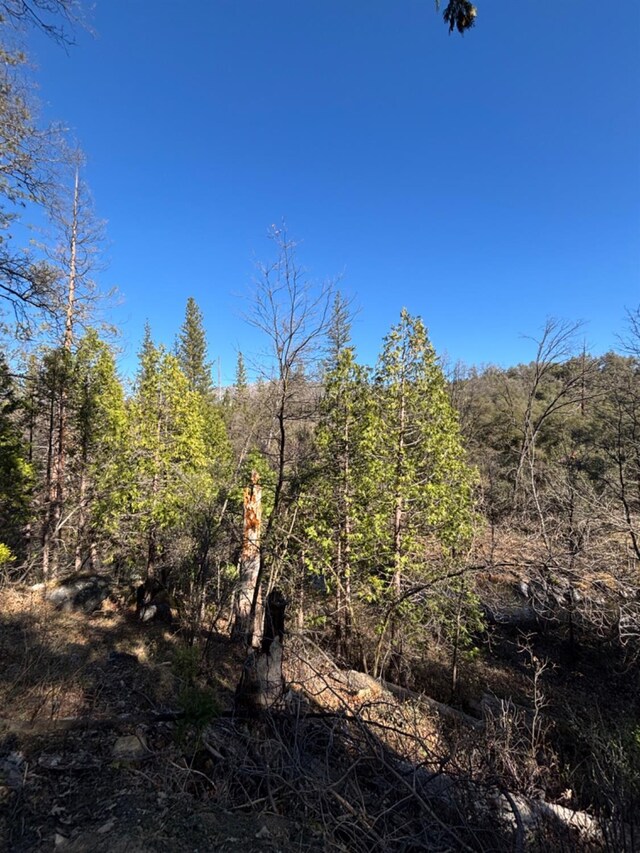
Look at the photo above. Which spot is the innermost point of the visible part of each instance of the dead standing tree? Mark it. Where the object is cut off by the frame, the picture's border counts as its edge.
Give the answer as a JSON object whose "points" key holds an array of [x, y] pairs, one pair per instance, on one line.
{"points": [[547, 390], [261, 685], [249, 561], [294, 316], [75, 256]]}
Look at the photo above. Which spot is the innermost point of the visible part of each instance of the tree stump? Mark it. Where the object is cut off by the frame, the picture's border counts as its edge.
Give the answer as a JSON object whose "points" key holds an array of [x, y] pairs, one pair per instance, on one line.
{"points": [[261, 685]]}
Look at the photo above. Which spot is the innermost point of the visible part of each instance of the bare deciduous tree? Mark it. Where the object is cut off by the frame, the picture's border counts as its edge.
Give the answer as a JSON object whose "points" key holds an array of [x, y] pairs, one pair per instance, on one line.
{"points": [[547, 392], [293, 314]]}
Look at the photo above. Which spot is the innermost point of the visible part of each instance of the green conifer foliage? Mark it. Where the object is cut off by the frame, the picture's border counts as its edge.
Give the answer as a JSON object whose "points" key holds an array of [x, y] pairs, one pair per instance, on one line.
{"points": [[339, 331], [391, 500], [340, 496], [99, 425], [336, 501], [15, 470], [192, 350], [427, 484], [179, 447], [241, 376], [422, 511]]}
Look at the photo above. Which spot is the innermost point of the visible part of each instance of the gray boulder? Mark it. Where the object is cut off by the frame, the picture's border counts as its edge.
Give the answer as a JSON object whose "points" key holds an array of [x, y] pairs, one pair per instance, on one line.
{"points": [[79, 592]]}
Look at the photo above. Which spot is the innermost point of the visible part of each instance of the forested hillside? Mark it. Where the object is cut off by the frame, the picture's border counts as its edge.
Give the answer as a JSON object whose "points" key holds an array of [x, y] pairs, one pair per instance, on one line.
{"points": [[387, 606]]}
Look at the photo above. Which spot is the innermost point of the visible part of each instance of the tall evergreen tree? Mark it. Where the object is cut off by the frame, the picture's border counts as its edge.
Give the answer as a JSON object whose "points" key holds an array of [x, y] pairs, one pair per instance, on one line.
{"points": [[79, 235], [339, 330], [101, 476], [391, 499], [424, 506], [339, 495], [241, 376], [429, 482], [192, 350], [178, 445]]}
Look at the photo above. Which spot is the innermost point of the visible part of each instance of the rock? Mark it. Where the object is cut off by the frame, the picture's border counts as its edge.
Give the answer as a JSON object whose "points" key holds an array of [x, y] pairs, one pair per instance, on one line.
{"points": [[263, 832], [362, 686], [79, 592], [130, 748], [106, 827]]}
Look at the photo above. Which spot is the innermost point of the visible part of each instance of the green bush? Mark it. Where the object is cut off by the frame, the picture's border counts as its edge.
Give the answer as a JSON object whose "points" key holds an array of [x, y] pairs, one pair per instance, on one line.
{"points": [[6, 556]]}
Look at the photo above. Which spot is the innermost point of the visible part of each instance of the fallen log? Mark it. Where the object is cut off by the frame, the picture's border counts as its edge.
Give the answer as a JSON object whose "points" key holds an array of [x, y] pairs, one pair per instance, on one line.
{"points": [[520, 814], [439, 707]]}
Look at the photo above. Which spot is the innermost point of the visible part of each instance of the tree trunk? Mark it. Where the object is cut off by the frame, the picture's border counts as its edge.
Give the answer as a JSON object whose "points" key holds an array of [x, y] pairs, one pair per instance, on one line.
{"points": [[261, 685], [59, 446], [82, 514], [60, 461], [399, 499], [243, 627]]}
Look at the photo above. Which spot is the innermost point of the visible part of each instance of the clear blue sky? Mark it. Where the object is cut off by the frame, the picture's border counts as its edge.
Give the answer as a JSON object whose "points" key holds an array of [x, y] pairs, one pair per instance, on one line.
{"points": [[483, 182]]}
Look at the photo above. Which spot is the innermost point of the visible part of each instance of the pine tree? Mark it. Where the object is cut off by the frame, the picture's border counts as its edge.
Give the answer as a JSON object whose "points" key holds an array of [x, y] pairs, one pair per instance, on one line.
{"points": [[424, 507], [339, 331], [79, 234], [391, 498], [338, 497], [241, 376], [101, 476], [179, 448], [192, 350], [429, 482], [54, 379]]}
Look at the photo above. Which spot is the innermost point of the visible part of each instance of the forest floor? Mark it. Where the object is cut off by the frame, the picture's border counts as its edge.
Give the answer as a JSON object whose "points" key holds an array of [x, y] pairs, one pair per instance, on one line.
{"points": [[120, 781], [95, 757]]}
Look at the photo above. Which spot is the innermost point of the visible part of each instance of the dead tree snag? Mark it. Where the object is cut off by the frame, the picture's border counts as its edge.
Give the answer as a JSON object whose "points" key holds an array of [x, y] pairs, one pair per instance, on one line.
{"points": [[261, 685], [249, 561]]}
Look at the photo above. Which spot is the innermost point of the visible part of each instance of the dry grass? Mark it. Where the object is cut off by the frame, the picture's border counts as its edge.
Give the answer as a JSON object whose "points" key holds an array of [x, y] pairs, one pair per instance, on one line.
{"points": [[347, 764], [54, 662]]}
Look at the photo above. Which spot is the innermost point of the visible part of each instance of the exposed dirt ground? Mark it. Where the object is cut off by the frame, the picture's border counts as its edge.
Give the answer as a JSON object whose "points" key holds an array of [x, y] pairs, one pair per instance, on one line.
{"points": [[96, 753], [65, 789]]}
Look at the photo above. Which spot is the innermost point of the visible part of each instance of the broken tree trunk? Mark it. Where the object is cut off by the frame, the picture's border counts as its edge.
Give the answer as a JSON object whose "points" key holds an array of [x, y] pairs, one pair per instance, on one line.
{"points": [[261, 685], [249, 561]]}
